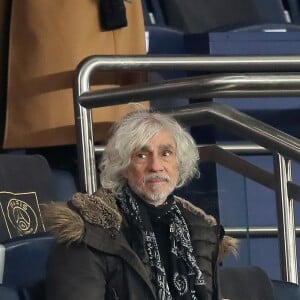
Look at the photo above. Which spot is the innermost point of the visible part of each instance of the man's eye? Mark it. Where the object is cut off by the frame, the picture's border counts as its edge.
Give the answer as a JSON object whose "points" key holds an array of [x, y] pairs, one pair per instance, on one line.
{"points": [[167, 153], [141, 155]]}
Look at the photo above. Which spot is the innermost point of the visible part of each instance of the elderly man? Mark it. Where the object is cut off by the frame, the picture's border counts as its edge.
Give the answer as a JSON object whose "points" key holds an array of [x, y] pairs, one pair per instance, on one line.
{"points": [[133, 238]]}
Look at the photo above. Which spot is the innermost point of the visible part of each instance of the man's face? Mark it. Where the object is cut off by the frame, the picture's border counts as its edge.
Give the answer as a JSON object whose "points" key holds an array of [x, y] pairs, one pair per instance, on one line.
{"points": [[153, 170]]}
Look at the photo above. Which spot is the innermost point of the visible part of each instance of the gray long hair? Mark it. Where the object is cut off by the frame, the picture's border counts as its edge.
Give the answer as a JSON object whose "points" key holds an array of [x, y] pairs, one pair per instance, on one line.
{"points": [[131, 134]]}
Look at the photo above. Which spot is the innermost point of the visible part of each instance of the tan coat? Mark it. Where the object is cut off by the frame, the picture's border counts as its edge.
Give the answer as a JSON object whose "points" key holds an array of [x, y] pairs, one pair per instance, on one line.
{"points": [[48, 38]]}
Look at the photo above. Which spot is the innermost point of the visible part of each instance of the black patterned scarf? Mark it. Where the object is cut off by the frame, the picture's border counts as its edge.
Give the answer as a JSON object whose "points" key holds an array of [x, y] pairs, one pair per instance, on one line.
{"points": [[186, 278]]}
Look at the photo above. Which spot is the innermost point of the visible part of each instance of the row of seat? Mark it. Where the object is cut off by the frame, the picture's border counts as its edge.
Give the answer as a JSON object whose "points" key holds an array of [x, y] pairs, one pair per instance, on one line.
{"points": [[204, 16], [25, 261]]}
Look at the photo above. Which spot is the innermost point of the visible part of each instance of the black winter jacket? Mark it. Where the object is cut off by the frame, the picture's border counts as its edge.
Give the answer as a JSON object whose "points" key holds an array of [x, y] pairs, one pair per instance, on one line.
{"points": [[94, 261]]}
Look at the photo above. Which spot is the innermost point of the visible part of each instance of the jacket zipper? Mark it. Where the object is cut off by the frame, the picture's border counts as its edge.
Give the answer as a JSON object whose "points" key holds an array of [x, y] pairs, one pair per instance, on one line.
{"points": [[115, 295], [215, 281]]}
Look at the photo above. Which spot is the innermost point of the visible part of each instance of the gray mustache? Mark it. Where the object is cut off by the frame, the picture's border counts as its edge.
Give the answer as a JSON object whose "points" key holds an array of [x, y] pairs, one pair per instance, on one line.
{"points": [[156, 176]]}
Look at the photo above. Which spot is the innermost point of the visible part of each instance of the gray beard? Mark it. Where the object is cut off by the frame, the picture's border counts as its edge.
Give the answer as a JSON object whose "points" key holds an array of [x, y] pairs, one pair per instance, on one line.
{"points": [[154, 198]]}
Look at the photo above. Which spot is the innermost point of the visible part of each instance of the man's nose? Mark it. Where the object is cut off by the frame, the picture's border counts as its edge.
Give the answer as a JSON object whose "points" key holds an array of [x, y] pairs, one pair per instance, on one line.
{"points": [[156, 164]]}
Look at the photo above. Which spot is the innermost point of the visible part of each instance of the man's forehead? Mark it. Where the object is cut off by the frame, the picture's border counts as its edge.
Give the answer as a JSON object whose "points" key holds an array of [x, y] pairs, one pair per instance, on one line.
{"points": [[150, 146], [160, 139]]}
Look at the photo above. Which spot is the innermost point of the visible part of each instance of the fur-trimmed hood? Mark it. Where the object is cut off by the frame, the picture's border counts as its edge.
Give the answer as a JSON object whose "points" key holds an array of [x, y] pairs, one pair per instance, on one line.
{"points": [[67, 220]]}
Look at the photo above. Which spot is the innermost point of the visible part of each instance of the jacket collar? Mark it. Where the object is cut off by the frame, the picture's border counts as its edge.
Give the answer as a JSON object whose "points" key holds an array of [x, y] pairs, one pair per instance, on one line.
{"points": [[68, 222]]}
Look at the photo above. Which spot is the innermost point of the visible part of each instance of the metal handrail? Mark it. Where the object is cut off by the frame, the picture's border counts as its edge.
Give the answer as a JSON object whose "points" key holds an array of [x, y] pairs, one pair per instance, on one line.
{"points": [[233, 162], [255, 231], [225, 85], [241, 124], [237, 148], [207, 63], [205, 86]]}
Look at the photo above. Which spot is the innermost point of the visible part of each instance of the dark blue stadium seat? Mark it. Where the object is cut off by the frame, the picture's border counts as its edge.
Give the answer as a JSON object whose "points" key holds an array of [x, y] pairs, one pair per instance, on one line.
{"points": [[23, 260], [286, 290], [200, 16], [23, 263], [252, 282], [153, 14], [64, 183], [35, 292], [164, 40], [245, 283], [294, 10], [262, 27], [27, 181], [8, 293]]}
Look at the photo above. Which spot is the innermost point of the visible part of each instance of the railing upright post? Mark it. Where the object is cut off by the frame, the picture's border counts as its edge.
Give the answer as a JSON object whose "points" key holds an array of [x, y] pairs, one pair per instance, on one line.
{"points": [[286, 223], [84, 132]]}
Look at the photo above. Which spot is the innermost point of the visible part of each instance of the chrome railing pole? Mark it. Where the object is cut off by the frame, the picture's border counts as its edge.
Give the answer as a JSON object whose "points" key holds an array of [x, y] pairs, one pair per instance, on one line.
{"points": [[235, 148], [286, 223], [87, 150], [255, 231], [84, 130]]}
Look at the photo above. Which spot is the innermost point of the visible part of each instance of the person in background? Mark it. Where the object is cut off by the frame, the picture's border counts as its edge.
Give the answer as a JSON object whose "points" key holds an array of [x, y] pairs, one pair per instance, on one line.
{"points": [[134, 238]]}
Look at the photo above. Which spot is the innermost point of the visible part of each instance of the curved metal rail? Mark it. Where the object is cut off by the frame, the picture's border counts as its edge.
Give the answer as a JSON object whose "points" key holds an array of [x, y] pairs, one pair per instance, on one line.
{"points": [[205, 86]]}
